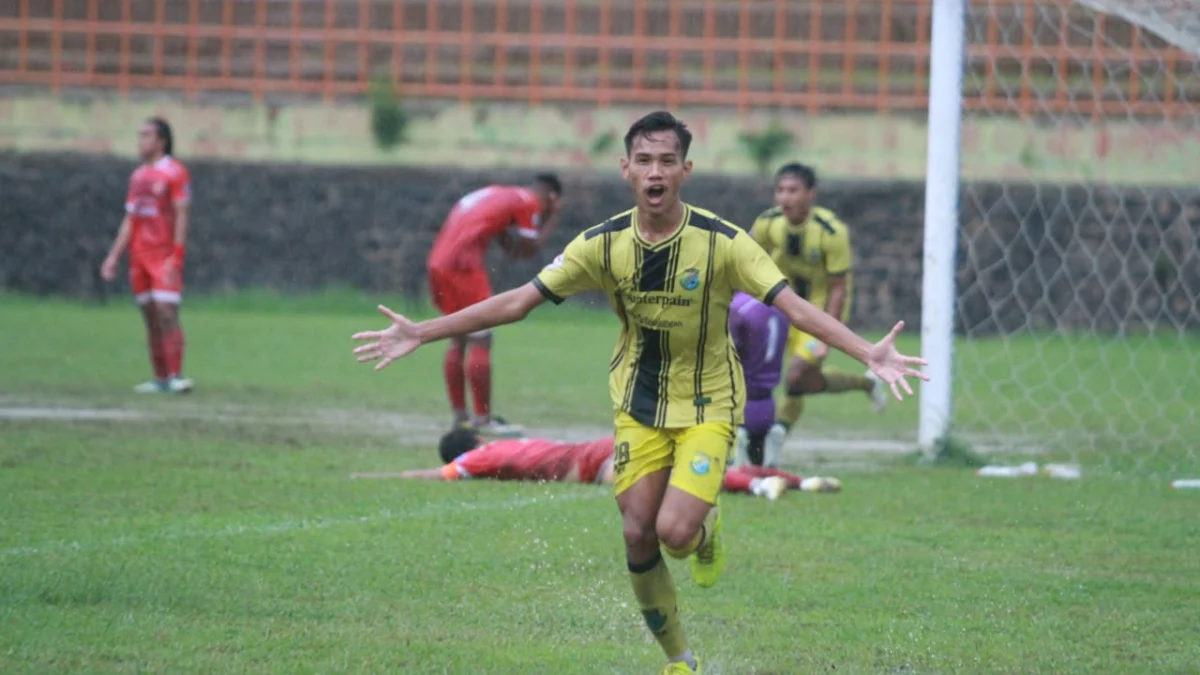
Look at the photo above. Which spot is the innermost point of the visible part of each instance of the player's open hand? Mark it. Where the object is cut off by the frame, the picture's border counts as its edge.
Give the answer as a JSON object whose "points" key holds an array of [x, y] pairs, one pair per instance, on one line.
{"points": [[398, 340], [893, 367]]}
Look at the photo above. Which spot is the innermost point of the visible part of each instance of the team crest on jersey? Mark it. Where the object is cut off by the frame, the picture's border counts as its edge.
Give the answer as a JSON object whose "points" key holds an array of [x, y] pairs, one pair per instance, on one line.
{"points": [[690, 279], [160, 188], [701, 464], [814, 254]]}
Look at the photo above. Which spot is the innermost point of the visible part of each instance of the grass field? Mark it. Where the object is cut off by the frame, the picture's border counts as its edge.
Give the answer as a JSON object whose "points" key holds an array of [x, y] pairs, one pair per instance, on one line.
{"points": [[219, 533]]}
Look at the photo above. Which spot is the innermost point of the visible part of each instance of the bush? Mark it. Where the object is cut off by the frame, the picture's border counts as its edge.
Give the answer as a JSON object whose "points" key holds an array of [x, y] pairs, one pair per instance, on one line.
{"points": [[388, 120], [767, 146]]}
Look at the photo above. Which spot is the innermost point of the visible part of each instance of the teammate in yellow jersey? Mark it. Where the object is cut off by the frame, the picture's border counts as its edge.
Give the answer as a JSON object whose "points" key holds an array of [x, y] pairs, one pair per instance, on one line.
{"points": [[811, 245], [669, 270]]}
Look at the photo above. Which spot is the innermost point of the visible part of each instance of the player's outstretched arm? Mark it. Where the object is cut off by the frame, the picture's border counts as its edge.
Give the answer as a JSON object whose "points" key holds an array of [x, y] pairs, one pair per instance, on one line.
{"points": [[404, 336], [882, 358]]}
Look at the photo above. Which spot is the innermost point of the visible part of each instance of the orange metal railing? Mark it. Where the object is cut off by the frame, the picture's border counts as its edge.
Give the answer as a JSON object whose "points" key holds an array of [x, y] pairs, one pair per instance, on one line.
{"points": [[1024, 56]]}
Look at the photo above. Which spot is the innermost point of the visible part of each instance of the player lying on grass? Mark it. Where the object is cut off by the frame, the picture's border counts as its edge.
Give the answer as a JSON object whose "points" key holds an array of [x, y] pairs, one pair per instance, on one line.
{"points": [[811, 245], [519, 219], [154, 230], [669, 270], [538, 459]]}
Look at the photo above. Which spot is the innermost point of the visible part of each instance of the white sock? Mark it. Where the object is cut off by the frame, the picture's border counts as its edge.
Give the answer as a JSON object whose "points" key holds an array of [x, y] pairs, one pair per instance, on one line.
{"points": [[756, 486], [686, 657]]}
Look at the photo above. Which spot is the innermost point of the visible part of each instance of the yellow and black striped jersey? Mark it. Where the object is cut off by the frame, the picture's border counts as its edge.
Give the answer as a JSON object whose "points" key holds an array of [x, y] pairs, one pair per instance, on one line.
{"points": [[674, 365], [810, 254]]}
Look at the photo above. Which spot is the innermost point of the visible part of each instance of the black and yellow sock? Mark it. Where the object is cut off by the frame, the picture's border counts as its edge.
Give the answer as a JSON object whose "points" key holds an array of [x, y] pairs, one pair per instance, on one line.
{"points": [[655, 591], [790, 410], [838, 381]]}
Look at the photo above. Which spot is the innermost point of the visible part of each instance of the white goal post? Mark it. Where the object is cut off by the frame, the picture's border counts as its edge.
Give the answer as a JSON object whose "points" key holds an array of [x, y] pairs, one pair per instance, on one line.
{"points": [[1061, 299]]}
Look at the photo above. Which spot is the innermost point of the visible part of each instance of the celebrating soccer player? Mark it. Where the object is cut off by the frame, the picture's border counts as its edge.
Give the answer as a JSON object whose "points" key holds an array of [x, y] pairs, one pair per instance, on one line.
{"points": [[538, 459], [812, 246], [760, 334], [155, 230], [520, 219], [670, 271]]}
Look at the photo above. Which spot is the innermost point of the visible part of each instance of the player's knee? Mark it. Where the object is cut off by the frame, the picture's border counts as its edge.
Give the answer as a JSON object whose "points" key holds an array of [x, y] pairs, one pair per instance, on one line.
{"points": [[639, 533], [676, 533]]}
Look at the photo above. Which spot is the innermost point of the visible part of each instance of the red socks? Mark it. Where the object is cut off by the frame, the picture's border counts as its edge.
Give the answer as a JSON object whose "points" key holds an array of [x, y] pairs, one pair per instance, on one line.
{"points": [[172, 351], [456, 379], [762, 472], [158, 359], [479, 372], [737, 480]]}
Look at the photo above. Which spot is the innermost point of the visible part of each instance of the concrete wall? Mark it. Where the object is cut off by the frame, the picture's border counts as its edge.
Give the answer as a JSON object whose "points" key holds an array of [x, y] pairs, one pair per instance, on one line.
{"points": [[1046, 256], [490, 136]]}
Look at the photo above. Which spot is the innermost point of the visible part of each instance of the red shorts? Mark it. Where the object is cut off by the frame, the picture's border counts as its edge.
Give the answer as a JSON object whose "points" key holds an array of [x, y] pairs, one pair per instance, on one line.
{"points": [[151, 283], [455, 289]]}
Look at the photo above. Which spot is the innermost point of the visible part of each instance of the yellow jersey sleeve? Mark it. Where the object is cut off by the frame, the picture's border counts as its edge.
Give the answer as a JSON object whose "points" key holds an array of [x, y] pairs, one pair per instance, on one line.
{"points": [[761, 229], [575, 270], [752, 271], [837, 251]]}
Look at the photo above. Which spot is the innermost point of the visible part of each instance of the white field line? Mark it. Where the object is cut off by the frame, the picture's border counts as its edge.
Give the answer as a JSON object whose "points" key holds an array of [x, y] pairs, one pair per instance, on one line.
{"points": [[302, 525], [834, 451]]}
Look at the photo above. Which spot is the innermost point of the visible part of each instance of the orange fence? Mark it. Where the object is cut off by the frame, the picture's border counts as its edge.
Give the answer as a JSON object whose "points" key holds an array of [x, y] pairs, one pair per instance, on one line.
{"points": [[1024, 56]]}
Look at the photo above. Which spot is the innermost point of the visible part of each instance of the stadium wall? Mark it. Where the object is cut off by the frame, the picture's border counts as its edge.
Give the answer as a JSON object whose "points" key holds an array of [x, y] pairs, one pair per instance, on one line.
{"points": [[1094, 259]]}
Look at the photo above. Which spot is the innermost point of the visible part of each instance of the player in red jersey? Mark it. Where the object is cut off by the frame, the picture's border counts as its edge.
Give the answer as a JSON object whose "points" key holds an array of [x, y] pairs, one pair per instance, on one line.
{"points": [[538, 459], [520, 219], [155, 230]]}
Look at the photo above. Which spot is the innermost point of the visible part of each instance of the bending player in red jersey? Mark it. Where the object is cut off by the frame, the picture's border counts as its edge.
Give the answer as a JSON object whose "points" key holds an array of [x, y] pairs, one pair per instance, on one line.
{"points": [[155, 230], [591, 462], [520, 219]]}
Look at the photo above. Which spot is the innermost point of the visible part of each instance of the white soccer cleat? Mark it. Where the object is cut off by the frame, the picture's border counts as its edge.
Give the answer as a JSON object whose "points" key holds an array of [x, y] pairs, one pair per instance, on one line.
{"points": [[742, 444], [818, 484], [151, 387], [773, 445], [771, 487], [496, 427], [879, 392], [179, 385]]}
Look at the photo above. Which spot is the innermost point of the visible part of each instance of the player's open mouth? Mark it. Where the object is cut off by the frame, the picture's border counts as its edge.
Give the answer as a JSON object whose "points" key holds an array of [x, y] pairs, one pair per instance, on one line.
{"points": [[655, 194]]}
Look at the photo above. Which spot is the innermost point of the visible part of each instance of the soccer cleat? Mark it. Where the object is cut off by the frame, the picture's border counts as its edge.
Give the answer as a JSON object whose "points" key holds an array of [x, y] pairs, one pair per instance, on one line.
{"points": [[179, 385], [152, 387], [742, 443], [708, 561], [496, 427], [817, 484], [878, 393], [680, 668], [772, 487], [773, 445]]}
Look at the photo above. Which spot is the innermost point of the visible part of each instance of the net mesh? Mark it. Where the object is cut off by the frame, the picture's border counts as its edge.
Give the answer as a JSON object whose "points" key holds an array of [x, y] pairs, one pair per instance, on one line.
{"points": [[1079, 271]]}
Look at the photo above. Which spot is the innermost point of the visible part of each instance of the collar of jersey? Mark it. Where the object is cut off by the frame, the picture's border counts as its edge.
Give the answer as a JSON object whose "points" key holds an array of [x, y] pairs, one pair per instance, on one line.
{"points": [[637, 231], [788, 223]]}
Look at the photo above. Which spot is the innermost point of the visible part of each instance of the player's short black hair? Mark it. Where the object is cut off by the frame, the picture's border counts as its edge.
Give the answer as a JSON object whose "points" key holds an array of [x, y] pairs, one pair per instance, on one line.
{"points": [[659, 120], [803, 172], [163, 129], [549, 181], [456, 443]]}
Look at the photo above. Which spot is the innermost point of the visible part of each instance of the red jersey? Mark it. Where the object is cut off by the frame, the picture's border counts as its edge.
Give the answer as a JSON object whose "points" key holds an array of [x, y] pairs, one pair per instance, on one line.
{"points": [[480, 217], [531, 459], [154, 191]]}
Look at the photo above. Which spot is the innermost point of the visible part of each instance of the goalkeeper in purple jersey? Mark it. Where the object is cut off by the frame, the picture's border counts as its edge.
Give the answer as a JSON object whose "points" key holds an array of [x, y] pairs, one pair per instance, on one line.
{"points": [[760, 334]]}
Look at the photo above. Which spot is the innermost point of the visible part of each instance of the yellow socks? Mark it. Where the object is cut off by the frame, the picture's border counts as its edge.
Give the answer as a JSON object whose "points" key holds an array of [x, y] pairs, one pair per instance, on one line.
{"points": [[655, 591], [838, 381], [790, 410]]}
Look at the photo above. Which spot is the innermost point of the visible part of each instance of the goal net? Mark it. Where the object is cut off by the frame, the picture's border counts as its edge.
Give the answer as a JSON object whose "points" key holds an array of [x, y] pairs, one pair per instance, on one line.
{"points": [[1077, 323]]}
